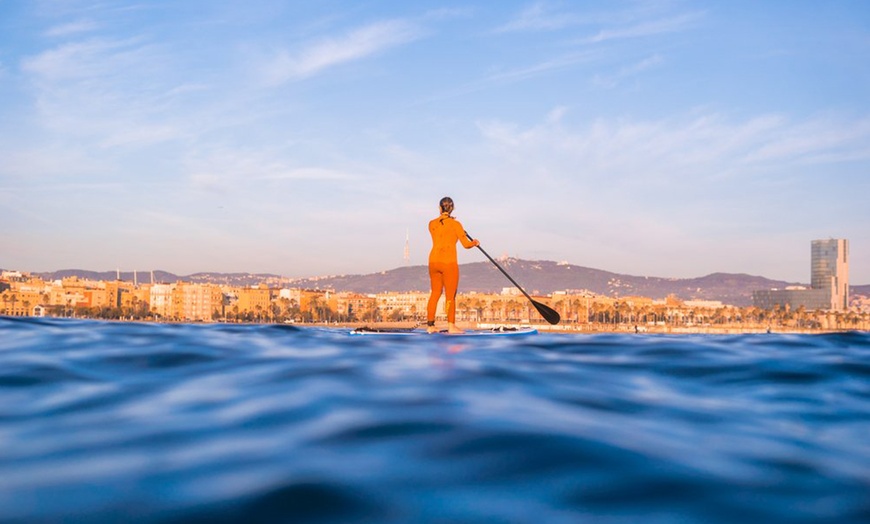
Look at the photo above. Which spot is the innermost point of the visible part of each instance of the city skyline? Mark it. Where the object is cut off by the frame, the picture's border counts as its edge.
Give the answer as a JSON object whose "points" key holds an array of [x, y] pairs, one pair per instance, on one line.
{"points": [[828, 284], [666, 138], [147, 275], [28, 295]]}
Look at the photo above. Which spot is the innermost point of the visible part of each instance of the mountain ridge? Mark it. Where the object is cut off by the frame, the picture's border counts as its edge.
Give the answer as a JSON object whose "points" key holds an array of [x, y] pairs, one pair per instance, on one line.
{"points": [[538, 277]]}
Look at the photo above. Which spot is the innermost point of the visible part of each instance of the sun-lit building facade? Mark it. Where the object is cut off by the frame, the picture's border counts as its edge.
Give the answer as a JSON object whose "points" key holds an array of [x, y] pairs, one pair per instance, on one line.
{"points": [[829, 287], [830, 270]]}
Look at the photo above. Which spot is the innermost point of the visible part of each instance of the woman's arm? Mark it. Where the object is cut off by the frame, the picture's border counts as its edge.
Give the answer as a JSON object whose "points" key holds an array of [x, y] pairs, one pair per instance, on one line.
{"points": [[467, 243]]}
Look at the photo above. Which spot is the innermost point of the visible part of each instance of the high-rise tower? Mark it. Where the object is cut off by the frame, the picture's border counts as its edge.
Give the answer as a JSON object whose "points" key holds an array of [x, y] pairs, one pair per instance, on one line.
{"points": [[830, 270], [829, 285]]}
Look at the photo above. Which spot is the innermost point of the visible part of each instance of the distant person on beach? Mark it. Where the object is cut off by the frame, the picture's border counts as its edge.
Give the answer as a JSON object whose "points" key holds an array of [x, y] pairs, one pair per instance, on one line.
{"points": [[443, 265]]}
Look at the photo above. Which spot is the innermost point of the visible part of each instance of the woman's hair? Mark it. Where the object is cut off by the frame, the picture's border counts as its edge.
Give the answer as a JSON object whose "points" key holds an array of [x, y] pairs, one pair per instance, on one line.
{"points": [[446, 205]]}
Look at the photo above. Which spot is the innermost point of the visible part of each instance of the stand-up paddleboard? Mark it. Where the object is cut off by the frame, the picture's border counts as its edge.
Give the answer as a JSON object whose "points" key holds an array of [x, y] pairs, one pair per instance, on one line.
{"points": [[499, 331]]}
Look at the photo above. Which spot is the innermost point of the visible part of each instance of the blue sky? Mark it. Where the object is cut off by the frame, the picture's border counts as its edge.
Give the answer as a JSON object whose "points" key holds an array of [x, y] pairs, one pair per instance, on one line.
{"points": [[662, 138]]}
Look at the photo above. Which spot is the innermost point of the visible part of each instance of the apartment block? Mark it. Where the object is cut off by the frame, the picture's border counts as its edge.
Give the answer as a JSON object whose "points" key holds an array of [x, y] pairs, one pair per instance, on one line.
{"points": [[198, 302], [256, 300], [410, 304], [160, 300], [355, 305]]}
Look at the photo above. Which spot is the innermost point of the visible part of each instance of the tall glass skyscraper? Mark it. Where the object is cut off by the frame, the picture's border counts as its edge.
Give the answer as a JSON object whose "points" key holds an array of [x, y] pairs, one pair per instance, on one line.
{"points": [[830, 270], [829, 287]]}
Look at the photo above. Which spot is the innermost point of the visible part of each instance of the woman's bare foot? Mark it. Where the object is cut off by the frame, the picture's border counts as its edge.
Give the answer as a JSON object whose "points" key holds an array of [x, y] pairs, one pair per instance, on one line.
{"points": [[453, 330], [431, 329]]}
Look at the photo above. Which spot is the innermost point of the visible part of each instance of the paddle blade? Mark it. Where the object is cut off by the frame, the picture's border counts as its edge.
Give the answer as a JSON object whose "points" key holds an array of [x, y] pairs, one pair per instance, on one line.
{"points": [[550, 315]]}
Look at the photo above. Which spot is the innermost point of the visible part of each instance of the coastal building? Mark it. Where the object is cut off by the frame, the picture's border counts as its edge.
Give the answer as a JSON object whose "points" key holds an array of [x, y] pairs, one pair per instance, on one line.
{"points": [[96, 298], [318, 304], [160, 300], [14, 276], [355, 306], [292, 295], [410, 304], [114, 291], [829, 288], [18, 303], [256, 300], [198, 302], [137, 299]]}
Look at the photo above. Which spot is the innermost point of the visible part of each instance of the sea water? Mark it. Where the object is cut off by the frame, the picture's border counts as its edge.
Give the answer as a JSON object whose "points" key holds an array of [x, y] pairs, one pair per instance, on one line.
{"points": [[128, 422]]}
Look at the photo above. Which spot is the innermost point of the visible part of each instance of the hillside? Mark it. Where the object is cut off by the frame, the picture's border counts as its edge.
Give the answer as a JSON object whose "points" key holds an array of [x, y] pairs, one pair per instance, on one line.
{"points": [[545, 277], [536, 277], [164, 277]]}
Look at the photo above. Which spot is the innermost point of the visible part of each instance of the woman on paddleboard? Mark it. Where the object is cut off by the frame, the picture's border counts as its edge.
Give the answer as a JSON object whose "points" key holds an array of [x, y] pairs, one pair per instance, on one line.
{"points": [[443, 265]]}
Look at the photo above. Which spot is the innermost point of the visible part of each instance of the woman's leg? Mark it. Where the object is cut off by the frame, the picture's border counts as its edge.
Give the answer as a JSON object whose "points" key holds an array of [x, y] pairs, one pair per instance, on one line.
{"points": [[436, 279], [451, 285]]}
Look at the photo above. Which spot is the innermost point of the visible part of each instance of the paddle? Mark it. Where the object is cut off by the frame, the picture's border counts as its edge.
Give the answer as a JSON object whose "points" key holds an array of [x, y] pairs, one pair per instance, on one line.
{"points": [[549, 314]]}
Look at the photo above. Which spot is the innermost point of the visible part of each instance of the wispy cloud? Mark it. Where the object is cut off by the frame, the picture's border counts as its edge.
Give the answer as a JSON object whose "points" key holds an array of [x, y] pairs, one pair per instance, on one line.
{"points": [[610, 81], [619, 182], [71, 28], [633, 23], [311, 173], [220, 170], [818, 140], [644, 29], [114, 91], [84, 59], [64, 188], [519, 74], [545, 66], [706, 145], [447, 13], [32, 163], [540, 16], [639, 21], [358, 44]]}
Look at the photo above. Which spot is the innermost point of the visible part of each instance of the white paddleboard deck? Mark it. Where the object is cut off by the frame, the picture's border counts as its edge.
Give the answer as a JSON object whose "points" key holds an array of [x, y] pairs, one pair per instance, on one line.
{"points": [[502, 332]]}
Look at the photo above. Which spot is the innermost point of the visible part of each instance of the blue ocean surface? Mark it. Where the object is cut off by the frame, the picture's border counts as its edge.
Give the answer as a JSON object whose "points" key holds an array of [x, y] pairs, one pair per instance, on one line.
{"points": [[127, 422]]}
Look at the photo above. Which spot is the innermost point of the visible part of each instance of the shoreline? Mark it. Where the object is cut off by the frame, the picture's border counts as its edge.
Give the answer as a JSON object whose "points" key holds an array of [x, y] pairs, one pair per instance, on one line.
{"points": [[593, 329], [567, 329]]}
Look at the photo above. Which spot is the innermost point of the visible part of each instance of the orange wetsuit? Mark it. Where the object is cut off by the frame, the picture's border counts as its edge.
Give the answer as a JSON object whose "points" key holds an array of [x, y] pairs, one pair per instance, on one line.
{"points": [[443, 265]]}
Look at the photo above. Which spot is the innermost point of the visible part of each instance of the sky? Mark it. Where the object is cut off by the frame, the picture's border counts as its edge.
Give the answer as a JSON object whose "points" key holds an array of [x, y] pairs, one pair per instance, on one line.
{"points": [[661, 138]]}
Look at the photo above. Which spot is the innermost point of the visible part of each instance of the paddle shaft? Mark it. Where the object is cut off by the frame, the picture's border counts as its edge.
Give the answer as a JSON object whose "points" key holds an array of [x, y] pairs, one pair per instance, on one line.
{"points": [[501, 269], [549, 314]]}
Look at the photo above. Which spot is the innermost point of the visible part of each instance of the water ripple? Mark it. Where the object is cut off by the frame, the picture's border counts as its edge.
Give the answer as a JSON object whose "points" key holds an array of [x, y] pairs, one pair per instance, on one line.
{"points": [[105, 421]]}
